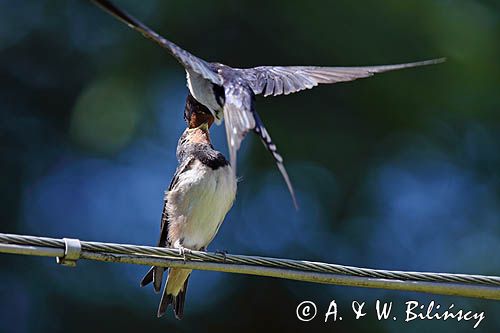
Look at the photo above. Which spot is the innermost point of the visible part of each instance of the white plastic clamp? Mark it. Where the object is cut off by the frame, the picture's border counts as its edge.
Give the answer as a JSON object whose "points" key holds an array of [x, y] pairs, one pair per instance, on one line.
{"points": [[72, 251]]}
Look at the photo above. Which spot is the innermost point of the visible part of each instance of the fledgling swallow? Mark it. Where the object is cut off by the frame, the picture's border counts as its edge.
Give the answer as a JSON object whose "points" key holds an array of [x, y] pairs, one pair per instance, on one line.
{"points": [[201, 193], [230, 92]]}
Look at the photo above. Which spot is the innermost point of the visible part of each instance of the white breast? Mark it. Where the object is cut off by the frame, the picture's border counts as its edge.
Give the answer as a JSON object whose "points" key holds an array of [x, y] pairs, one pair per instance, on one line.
{"points": [[198, 204]]}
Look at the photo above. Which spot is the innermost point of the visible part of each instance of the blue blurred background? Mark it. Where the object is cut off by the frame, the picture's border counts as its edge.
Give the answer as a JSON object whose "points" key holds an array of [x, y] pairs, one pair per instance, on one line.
{"points": [[399, 171]]}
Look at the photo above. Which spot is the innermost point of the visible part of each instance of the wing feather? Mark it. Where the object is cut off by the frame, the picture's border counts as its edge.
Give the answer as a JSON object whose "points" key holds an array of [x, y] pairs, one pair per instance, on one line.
{"points": [[186, 59], [277, 80], [157, 272]]}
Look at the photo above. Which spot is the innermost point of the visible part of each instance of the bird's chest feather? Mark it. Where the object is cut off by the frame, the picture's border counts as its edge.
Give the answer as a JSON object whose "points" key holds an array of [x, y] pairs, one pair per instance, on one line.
{"points": [[198, 204]]}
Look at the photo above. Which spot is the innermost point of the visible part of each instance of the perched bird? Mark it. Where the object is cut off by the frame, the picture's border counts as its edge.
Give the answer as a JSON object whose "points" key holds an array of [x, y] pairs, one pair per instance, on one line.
{"points": [[230, 92], [198, 198]]}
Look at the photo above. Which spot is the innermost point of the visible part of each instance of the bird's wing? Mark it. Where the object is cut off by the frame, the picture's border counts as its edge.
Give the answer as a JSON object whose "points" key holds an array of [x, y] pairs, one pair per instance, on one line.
{"points": [[184, 166], [240, 117], [186, 59], [277, 80], [155, 274]]}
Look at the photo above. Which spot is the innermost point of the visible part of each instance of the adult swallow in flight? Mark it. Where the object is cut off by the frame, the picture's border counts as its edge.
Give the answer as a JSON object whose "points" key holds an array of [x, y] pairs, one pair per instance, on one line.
{"points": [[201, 193], [229, 92]]}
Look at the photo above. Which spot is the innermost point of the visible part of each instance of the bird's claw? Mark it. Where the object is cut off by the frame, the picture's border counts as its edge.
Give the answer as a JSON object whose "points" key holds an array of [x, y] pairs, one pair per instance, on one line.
{"points": [[182, 252], [223, 253]]}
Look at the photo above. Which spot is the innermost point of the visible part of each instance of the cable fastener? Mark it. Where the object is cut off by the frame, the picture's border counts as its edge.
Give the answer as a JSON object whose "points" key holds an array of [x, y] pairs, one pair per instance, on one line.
{"points": [[72, 251]]}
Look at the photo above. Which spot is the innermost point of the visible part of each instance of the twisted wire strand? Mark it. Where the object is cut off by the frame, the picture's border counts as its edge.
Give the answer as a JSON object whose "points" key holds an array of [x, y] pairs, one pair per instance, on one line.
{"points": [[299, 265]]}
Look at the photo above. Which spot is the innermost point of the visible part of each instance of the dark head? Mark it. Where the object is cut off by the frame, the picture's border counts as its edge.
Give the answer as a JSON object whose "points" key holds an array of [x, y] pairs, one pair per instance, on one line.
{"points": [[196, 113], [198, 119]]}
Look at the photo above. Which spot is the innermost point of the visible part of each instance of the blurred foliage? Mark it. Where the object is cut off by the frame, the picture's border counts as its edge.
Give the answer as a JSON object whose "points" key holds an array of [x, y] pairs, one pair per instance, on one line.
{"points": [[106, 115], [399, 171]]}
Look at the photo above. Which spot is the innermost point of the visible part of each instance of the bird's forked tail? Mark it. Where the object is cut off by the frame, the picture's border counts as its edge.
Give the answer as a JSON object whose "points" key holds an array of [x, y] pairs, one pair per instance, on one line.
{"points": [[175, 292]]}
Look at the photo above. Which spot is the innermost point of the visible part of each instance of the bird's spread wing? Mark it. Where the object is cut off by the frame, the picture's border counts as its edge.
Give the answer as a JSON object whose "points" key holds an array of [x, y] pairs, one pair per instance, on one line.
{"points": [[185, 58], [240, 117], [277, 80]]}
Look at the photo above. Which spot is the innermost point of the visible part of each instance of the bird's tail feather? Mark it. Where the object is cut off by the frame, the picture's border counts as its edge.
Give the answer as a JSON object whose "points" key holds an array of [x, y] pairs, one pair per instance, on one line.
{"points": [[271, 147], [155, 275], [148, 278], [175, 292]]}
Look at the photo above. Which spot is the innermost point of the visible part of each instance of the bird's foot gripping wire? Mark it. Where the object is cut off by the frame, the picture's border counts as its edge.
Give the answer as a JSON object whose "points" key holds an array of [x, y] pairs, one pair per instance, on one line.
{"points": [[182, 252], [223, 253]]}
